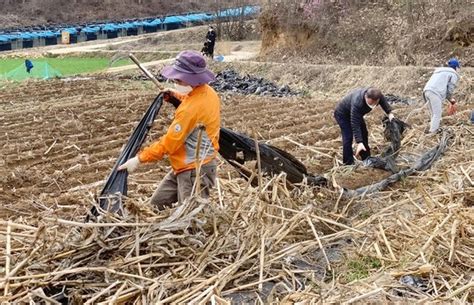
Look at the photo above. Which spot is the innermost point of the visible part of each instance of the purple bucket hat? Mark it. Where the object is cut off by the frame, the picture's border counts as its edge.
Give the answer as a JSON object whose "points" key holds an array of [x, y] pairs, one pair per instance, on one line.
{"points": [[189, 67]]}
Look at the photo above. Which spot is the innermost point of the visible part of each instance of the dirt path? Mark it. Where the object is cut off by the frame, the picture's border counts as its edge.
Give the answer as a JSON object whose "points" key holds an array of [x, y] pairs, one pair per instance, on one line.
{"points": [[117, 41], [131, 67], [245, 50]]}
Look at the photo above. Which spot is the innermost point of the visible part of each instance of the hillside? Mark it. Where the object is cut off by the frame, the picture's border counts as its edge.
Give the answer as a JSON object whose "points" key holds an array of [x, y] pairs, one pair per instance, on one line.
{"points": [[365, 234], [372, 33], [32, 12]]}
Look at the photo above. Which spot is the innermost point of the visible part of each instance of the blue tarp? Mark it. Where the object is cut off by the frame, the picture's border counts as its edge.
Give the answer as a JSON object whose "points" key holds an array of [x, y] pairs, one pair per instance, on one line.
{"points": [[93, 28], [27, 35], [249, 10], [199, 17], [120, 26], [235, 12], [71, 31], [127, 25], [47, 34], [183, 18], [171, 19], [155, 22], [137, 23], [110, 27]]}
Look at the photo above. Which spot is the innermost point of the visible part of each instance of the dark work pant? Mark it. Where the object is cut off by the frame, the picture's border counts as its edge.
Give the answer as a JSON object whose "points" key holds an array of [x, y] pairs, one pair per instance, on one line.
{"points": [[347, 139], [210, 49]]}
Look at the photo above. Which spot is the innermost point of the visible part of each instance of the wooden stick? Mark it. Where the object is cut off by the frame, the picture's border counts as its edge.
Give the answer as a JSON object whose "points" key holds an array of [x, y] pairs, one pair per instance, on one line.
{"points": [[365, 295], [117, 294], [52, 145], [382, 232], [203, 295], [23, 262], [467, 175], [460, 290], [137, 250], [101, 293], [259, 163], [7, 259], [79, 270], [145, 71], [218, 275], [377, 249], [435, 233], [97, 225], [197, 185], [307, 147], [40, 293], [454, 229], [17, 225], [262, 260], [319, 241], [249, 285], [322, 219], [219, 192], [415, 204]]}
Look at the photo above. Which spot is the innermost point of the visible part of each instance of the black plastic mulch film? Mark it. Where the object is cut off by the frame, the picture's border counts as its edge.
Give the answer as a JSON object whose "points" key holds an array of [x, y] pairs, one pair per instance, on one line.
{"points": [[116, 185], [237, 148], [232, 144]]}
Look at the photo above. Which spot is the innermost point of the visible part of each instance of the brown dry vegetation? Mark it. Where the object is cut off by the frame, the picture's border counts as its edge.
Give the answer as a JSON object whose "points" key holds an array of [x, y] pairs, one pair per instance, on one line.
{"points": [[369, 32], [15, 13], [274, 243], [60, 142]]}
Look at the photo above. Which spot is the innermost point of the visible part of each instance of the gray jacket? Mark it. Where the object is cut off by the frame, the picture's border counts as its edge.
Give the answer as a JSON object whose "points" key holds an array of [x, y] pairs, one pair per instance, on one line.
{"points": [[443, 82]]}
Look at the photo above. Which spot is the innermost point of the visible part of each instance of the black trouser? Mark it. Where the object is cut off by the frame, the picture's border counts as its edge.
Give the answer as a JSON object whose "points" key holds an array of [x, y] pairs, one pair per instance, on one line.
{"points": [[347, 138], [210, 49]]}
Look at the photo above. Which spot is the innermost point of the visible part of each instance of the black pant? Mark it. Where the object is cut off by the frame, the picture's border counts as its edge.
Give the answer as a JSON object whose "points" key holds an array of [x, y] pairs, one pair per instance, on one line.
{"points": [[210, 49], [347, 138]]}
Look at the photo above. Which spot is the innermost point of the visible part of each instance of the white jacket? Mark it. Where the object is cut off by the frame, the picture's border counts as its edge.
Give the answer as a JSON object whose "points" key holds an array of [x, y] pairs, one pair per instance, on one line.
{"points": [[443, 82]]}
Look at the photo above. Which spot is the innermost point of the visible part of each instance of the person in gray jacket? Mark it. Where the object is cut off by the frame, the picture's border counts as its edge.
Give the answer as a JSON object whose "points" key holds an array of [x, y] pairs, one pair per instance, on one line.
{"points": [[440, 87]]}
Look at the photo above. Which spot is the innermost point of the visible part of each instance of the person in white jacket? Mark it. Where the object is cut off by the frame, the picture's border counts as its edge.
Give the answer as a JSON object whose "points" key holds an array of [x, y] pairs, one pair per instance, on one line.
{"points": [[440, 87]]}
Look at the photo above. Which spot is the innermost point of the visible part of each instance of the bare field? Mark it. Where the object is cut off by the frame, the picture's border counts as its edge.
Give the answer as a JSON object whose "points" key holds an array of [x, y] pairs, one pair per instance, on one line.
{"points": [[60, 140], [68, 133]]}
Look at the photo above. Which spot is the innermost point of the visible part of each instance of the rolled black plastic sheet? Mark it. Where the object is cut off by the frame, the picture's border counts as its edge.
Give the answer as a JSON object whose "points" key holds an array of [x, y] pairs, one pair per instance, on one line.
{"points": [[238, 148], [116, 185]]}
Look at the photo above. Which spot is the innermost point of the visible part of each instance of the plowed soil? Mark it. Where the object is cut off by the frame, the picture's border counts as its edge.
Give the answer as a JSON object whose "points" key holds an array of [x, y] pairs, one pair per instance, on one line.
{"points": [[66, 135]]}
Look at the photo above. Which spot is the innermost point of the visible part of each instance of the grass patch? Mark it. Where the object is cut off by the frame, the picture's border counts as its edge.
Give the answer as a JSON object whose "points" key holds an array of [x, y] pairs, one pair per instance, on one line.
{"points": [[67, 65], [359, 269]]}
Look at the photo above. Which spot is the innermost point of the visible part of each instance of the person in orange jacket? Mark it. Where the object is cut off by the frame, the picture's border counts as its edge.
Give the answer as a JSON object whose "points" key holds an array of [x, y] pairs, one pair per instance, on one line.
{"points": [[199, 106]]}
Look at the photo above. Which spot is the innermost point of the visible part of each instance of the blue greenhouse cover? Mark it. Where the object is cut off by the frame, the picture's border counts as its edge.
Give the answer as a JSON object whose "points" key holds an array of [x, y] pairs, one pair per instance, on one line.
{"points": [[171, 19], [90, 29], [6, 37], [110, 27], [71, 31], [156, 21], [46, 34], [199, 17]]}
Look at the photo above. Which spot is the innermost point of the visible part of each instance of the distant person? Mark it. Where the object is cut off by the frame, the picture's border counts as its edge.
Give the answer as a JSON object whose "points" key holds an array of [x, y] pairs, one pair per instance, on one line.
{"points": [[441, 87], [349, 114], [204, 50], [210, 41], [198, 105], [29, 65]]}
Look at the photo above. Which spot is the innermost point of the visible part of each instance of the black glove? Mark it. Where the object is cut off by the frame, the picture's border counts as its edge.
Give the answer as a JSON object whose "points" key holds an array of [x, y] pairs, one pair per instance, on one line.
{"points": [[169, 98]]}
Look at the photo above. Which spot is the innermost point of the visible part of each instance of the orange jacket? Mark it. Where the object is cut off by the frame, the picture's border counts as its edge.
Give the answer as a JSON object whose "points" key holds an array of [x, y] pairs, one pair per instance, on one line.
{"points": [[200, 106]]}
